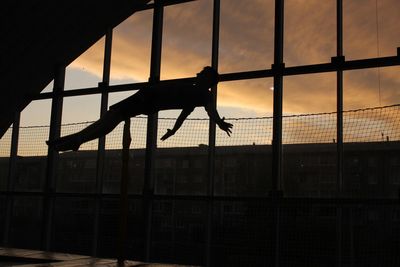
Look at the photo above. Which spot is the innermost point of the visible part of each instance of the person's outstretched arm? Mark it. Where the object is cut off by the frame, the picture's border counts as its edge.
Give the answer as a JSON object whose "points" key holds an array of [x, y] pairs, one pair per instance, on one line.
{"points": [[214, 116], [182, 117]]}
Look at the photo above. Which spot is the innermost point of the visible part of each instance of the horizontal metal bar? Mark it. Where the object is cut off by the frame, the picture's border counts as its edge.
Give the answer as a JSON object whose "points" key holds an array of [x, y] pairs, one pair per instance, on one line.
{"points": [[256, 74], [246, 75], [107, 89], [335, 65], [165, 3], [96, 90], [292, 201], [344, 65]]}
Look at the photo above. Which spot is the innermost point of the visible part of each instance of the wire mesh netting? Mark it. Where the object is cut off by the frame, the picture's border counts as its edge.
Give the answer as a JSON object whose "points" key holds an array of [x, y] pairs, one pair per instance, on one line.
{"points": [[5, 143], [362, 125]]}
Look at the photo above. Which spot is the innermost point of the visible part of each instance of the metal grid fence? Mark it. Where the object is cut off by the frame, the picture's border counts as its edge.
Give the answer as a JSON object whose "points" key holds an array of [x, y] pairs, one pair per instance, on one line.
{"points": [[362, 125]]}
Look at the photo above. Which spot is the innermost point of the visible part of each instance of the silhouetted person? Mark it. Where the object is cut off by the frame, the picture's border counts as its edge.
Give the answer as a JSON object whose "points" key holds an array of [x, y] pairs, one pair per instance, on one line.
{"points": [[173, 95]]}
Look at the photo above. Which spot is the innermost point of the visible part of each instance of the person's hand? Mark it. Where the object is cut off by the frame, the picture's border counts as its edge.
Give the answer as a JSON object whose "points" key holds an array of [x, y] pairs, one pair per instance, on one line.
{"points": [[225, 126], [167, 134]]}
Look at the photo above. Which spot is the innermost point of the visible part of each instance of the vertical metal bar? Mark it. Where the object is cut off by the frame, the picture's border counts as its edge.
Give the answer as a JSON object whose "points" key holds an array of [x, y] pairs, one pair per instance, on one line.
{"points": [[339, 98], [339, 165], [107, 56], [352, 226], [52, 156], [278, 97], [152, 126], [123, 199], [12, 167], [212, 132], [277, 124], [102, 140]]}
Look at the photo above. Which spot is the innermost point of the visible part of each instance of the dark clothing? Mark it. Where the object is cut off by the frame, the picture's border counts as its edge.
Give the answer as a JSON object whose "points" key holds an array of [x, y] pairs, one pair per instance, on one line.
{"points": [[132, 106], [151, 100]]}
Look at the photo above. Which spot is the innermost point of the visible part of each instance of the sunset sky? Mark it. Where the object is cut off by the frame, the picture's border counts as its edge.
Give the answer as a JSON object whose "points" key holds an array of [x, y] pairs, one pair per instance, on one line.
{"points": [[246, 43]]}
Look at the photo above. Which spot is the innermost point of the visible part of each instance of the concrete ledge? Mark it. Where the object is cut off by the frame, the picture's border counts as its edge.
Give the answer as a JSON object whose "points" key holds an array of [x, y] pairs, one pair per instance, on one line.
{"points": [[30, 258]]}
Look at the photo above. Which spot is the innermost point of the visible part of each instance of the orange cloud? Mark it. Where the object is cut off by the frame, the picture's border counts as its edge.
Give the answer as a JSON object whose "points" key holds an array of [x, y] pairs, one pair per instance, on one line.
{"points": [[246, 43]]}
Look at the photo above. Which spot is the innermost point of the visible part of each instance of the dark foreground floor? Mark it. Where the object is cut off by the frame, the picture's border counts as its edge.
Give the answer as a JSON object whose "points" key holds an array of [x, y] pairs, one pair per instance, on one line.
{"points": [[23, 257]]}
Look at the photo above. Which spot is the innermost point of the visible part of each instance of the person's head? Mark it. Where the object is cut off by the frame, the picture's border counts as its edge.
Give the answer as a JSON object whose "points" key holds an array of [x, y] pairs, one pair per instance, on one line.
{"points": [[207, 77]]}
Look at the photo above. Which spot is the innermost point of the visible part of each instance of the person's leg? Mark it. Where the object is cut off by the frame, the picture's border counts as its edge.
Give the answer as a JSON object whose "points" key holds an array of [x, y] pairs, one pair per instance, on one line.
{"points": [[99, 128], [103, 126]]}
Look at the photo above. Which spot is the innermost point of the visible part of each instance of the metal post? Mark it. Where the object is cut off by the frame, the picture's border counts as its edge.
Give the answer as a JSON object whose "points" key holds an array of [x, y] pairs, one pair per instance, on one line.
{"points": [[352, 226], [340, 97], [102, 140], [278, 97], [151, 141], [277, 67], [11, 176], [212, 134], [123, 199], [339, 144], [52, 156]]}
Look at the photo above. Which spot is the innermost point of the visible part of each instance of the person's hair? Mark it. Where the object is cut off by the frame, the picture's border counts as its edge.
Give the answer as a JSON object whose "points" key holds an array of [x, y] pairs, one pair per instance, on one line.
{"points": [[214, 74]]}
